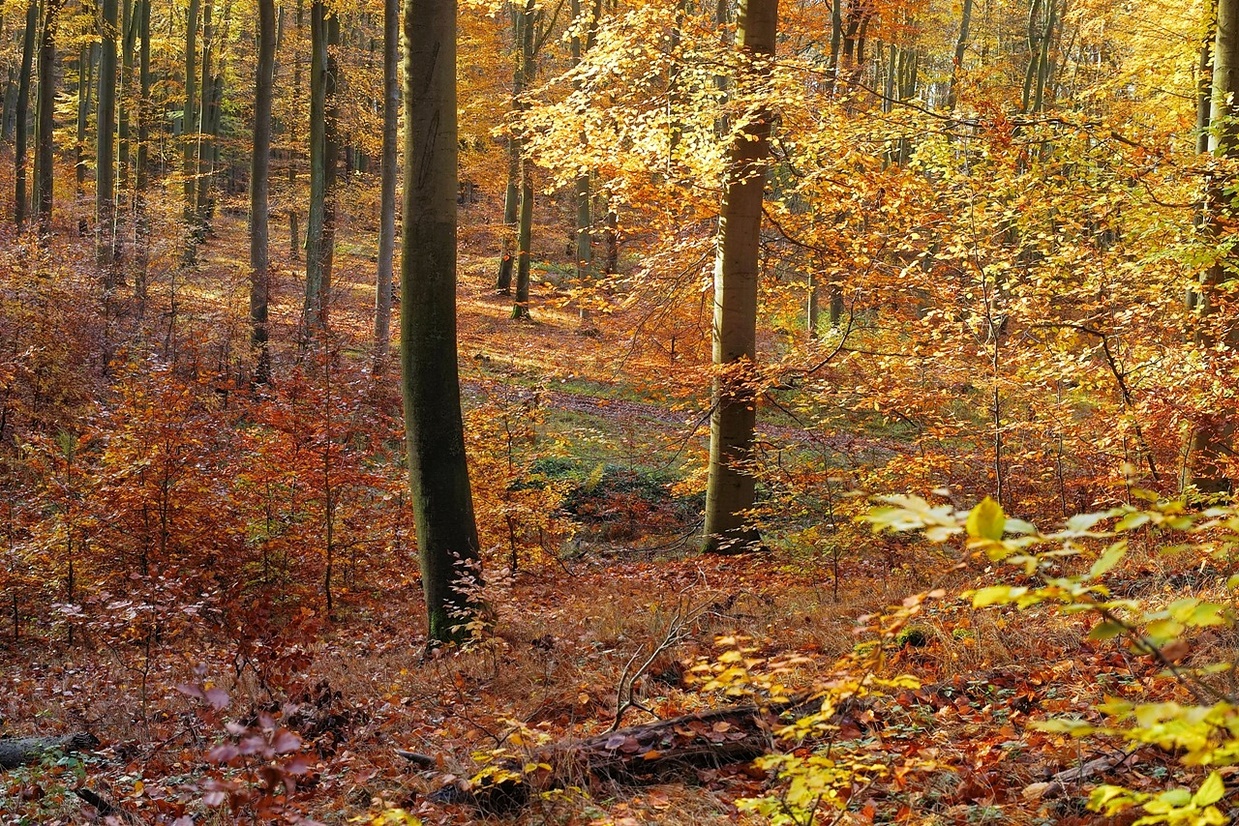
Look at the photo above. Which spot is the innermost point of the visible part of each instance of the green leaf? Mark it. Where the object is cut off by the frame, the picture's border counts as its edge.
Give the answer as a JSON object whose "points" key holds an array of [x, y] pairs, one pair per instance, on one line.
{"points": [[986, 521], [1107, 630], [1210, 792], [1108, 559], [996, 595]]}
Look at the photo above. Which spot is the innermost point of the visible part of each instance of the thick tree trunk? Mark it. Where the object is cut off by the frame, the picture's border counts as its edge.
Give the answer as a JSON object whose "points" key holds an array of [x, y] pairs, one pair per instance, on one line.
{"points": [[260, 175], [447, 536], [1213, 439], [85, 96], [21, 198], [730, 487], [387, 175]]}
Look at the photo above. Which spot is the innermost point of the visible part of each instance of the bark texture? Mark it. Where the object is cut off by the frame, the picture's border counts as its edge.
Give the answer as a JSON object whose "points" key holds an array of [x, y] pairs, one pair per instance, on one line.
{"points": [[730, 488], [447, 540]]}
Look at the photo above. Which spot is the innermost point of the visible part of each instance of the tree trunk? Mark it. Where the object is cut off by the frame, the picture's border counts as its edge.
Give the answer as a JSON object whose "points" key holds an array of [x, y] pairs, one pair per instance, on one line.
{"points": [[511, 196], [730, 487], [387, 174], [524, 233], [260, 173], [44, 172], [207, 109], [961, 47], [1213, 438], [20, 197], [141, 225], [189, 136], [85, 92], [294, 232], [105, 151], [447, 536], [320, 229], [581, 190]]}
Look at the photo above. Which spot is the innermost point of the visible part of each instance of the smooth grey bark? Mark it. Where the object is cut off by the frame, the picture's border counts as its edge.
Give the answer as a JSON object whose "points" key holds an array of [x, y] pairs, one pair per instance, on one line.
{"points": [[105, 149], [260, 180], [1213, 438], [320, 226], [20, 198], [730, 486], [447, 536], [387, 185]]}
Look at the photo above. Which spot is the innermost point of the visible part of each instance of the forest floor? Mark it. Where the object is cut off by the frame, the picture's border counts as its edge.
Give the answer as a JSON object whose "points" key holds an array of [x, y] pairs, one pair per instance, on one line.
{"points": [[571, 622]]}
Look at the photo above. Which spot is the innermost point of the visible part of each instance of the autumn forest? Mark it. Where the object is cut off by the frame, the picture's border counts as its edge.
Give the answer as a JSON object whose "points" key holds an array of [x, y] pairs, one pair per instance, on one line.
{"points": [[619, 411]]}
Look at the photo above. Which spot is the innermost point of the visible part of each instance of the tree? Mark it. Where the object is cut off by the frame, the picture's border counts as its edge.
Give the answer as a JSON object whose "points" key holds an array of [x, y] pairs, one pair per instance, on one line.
{"points": [[1211, 441], [730, 488], [260, 178], [44, 146], [447, 537], [387, 185], [105, 145], [320, 229], [524, 232], [20, 199]]}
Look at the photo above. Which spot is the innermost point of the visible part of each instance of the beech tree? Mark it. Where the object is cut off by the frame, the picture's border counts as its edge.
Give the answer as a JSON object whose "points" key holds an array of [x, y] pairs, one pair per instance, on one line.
{"points": [[387, 184], [260, 170], [447, 538], [324, 144], [730, 488], [1212, 438]]}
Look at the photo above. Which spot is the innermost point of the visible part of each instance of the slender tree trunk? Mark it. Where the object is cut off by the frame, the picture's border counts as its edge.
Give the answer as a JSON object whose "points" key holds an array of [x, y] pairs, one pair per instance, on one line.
{"points": [[730, 486], [1213, 439], [961, 48], [105, 155], [20, 198], [447, 537], [44, 171], [204, 141], [387, 186], [320, 229], [581, 189], [260, 173], [294, 233], [189, 136], [141, 226], [836, 42], [511, 209], [524, 234], [85, 93]]}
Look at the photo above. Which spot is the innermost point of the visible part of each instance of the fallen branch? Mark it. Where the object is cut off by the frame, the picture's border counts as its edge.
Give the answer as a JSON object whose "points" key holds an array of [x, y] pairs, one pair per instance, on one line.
{"points": [[21, 751], [636, 754]]}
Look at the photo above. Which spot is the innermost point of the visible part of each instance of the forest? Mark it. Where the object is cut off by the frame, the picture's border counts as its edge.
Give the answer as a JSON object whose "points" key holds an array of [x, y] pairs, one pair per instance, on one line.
{"points": [[619, 412]]}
